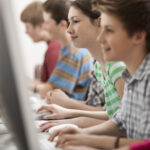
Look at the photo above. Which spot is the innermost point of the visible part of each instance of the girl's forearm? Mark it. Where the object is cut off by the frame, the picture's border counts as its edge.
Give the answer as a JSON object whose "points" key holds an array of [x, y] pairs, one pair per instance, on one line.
{"points": [[74, 104], [102, 115]]}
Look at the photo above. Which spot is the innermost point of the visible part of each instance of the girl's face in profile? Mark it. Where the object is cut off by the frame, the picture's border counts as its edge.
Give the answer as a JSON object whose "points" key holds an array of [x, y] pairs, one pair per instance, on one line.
{"points": [[81, 29], [115, 41]]}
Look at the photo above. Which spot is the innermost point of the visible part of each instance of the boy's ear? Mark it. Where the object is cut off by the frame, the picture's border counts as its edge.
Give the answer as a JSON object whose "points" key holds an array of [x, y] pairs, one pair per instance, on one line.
{"points": [[140, 37], [41, 25], [98, 22], [63, 23]]}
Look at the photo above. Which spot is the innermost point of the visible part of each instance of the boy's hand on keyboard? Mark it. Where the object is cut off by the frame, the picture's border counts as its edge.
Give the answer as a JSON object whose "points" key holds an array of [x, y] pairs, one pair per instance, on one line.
{"points": [[43, 89], [49, 124], [57, 112], [79, 139], [46, 126], [68, 147], [65, 130], [58, 97]]}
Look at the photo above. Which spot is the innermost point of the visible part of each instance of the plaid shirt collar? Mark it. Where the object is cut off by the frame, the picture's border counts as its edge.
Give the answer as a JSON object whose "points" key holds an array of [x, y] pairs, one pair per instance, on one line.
{"points": [[140, 73]]}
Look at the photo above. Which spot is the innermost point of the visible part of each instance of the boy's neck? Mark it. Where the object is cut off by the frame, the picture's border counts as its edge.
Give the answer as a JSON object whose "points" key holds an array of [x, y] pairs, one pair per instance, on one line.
{"points": [[65, 40], [46, 39], [134, 61]]}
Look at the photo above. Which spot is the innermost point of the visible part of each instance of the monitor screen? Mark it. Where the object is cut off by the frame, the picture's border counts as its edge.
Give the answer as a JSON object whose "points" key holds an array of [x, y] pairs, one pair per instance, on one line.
{"points": [[14, 104]]}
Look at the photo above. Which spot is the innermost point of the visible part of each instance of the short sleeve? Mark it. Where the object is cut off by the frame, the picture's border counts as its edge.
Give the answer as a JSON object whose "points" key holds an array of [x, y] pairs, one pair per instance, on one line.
{"points": [[115, 70], [64, 77], [118, 119]]}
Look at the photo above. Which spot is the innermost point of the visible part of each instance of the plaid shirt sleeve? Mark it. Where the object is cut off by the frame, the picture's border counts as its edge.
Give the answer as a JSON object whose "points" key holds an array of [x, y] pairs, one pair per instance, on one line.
{"points": [[145, 118], [139, 117], [118, 119]]}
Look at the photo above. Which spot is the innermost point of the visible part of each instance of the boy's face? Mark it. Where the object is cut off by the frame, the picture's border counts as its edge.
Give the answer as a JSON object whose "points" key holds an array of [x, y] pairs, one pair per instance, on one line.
{"points": [[33, 32], [115, 41], [50, 25]]}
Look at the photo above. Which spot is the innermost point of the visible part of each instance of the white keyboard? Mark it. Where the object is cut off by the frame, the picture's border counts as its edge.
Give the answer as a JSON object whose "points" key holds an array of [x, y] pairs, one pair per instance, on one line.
{"points": [[38, 123], [45, 144], [58, 127], [40, 115], [36, 103]]}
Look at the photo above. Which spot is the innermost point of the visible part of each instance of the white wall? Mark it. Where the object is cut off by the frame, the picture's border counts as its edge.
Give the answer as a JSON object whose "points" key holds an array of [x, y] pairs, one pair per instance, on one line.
{"points": [[32, 53]]}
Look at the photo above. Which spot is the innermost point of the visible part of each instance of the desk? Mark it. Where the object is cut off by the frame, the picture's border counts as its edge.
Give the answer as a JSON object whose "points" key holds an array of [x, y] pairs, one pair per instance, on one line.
{"points": [[6, 141], [5, 138]]}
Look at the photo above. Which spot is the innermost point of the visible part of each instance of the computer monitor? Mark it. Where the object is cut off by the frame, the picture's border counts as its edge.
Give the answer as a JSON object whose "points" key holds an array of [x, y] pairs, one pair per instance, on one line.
{"points": [[15, 108]]}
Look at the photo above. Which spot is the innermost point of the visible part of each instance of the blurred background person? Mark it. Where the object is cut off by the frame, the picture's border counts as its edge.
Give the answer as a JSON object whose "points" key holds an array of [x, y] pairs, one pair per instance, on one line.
{"points": [[32, 17]]}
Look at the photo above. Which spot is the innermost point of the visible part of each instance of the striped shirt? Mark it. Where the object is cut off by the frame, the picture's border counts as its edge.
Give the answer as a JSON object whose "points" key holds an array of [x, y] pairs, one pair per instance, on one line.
{"points": [[113, 73], [134, 115], [73, 72]]}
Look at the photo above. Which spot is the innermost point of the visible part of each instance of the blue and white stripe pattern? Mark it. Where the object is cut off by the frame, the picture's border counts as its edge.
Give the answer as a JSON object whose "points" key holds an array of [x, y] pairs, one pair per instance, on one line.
{"points": [[72, 72]]}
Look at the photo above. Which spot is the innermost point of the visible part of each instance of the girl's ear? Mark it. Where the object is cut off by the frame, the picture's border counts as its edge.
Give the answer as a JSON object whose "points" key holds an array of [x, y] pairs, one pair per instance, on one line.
{"points": [[139, 37], [63, 23]]}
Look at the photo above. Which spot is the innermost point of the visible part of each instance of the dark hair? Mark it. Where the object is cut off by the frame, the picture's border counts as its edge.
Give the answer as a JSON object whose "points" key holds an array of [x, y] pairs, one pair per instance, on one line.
{"points": [[86, 7], [58, 8], [33, 13], [134, 15]]}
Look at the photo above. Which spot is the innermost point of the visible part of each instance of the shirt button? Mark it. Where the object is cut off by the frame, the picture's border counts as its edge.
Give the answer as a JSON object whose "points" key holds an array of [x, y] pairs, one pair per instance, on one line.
{"points": [[130, 91]]}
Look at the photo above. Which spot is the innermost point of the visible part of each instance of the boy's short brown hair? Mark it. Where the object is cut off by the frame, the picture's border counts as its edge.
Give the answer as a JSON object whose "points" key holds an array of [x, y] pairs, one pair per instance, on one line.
{"points": [[58, 8], [134, 14], [33, 13]]}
